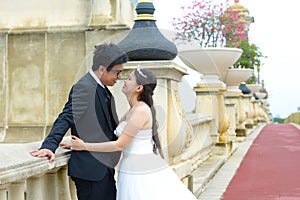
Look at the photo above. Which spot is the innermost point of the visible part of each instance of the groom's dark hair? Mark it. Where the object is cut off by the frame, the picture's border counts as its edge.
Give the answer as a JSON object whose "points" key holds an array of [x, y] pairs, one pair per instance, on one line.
{"points": [[108, 55]]}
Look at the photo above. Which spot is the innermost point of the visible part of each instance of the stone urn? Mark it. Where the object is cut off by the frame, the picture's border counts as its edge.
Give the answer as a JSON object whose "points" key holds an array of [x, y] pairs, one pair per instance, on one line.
{"points": [[254, 88], [261, 95], [212, 62], [233, 77]]}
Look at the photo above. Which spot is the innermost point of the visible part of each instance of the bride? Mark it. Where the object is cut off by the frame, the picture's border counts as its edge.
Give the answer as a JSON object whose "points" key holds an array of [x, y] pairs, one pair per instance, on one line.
{"points": [[143, 175]]}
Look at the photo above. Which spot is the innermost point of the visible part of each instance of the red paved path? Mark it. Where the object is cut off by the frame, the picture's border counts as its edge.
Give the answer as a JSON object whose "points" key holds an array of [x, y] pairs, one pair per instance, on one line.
{"points": [[271, 168]]}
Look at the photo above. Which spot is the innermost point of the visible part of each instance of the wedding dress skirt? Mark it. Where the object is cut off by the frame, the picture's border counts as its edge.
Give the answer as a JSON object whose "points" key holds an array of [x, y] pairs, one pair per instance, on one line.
{"points": [[144, 175]]}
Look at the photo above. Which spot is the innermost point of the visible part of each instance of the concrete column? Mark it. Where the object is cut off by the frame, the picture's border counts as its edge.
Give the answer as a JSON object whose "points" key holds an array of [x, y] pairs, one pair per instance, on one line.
{"points": [[207, 103], [235, 97], [34, 189], [242, 115], [254, 102], [256, 109], [50, 185], [16, 191], [63, 187], [231, 110], [246, 99], [3, 192], [223, 119]]}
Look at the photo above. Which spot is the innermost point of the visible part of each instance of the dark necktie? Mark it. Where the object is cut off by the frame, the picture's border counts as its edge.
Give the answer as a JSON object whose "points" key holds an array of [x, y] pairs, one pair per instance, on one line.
{"points": [[108, 100]]}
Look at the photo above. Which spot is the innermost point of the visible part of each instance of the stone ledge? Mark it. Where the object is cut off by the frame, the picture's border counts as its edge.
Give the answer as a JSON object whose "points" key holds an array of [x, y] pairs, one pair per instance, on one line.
{"points": [[17, 164]]}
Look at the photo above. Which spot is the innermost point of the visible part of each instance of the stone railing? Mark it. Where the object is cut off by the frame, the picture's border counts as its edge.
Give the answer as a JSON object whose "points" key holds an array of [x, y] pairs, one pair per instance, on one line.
{"points": [[188, 139], [197, 151], [25, 177]]}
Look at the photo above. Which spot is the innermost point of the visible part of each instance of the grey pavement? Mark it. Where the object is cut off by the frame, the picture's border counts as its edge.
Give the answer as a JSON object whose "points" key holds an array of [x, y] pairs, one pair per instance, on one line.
{"points": [[214, 175]]}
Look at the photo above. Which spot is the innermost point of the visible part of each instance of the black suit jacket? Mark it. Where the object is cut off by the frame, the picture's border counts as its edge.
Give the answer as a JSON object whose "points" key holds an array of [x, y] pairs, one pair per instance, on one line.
{"points": [[88, 115]]}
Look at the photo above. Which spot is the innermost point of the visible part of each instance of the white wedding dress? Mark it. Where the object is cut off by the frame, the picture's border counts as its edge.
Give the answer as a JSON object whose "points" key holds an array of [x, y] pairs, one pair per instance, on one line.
{"points": [[144, 175]]}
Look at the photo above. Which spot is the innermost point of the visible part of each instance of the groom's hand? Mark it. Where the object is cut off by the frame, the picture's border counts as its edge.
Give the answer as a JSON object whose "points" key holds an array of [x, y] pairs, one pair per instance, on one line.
{"points": [[43, 153]]}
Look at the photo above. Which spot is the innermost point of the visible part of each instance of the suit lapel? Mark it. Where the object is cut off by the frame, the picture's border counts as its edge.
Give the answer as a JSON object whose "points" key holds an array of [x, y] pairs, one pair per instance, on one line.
{"points": [[103, 101]]}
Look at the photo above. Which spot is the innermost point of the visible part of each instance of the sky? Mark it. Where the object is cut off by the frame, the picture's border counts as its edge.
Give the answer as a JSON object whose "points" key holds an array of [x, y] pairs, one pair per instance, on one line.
{"points": [[274, 32]]}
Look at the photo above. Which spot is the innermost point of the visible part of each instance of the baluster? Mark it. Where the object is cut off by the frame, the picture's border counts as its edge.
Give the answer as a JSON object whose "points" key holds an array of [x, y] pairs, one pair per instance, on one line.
{"points": [[50, 183], [34, 188], [3, 192], [63, 184], [16, 190]]}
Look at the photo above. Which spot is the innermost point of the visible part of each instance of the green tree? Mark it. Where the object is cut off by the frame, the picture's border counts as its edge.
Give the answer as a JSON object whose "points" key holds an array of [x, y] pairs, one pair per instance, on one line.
{"points": [[251, 56]]}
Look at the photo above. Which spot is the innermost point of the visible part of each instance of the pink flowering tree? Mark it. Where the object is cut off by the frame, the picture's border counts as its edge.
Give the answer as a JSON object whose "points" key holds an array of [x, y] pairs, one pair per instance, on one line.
{"points": [[211, 24]]}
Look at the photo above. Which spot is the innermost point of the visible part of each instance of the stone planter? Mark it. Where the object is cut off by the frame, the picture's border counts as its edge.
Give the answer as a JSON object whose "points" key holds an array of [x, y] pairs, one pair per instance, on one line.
{"points": [[212, 62], [261, 95], [233, 77], [254, 87]]}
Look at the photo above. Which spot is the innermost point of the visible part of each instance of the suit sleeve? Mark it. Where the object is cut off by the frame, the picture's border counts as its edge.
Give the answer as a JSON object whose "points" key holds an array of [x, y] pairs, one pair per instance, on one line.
{"points": [[73, 109]]}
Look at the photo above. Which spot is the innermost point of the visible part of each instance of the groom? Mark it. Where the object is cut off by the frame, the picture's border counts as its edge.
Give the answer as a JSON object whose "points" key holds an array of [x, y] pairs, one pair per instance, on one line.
{"points": [[90, 114]]}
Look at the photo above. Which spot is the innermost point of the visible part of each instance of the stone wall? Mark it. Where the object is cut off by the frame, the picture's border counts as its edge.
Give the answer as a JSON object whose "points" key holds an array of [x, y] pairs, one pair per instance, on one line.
{"points": [[53, 15], [44, 47]]}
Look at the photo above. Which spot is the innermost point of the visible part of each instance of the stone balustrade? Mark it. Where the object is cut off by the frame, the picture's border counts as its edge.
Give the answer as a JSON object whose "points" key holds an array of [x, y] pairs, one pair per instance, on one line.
{"points": [[25, 177]]}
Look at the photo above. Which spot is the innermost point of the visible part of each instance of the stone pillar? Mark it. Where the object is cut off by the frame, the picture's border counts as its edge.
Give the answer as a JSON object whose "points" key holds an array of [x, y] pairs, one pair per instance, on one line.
{"points": [[223, 119], [16, 190], [210, 100], [63, 187], [50, 186], [242, 116], [256, 109], [34, 189], [3, 85], [3, 192], [235, 97], [232, 113], [207, 103], [246, 99], [255, 120]]}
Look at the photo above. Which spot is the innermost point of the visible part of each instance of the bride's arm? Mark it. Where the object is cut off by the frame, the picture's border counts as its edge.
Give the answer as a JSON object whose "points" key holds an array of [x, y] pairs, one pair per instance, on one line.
{"points": [[111, 146], [136, 122]]}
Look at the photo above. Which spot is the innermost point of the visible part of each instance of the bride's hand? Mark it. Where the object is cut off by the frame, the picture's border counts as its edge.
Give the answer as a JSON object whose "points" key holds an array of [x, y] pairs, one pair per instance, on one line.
{"points": [[65, 145], [77, 144]]}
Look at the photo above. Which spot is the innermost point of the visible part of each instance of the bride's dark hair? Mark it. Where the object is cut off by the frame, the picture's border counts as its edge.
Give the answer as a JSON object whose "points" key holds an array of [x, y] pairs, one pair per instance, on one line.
{"points": [[146, 78]]}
